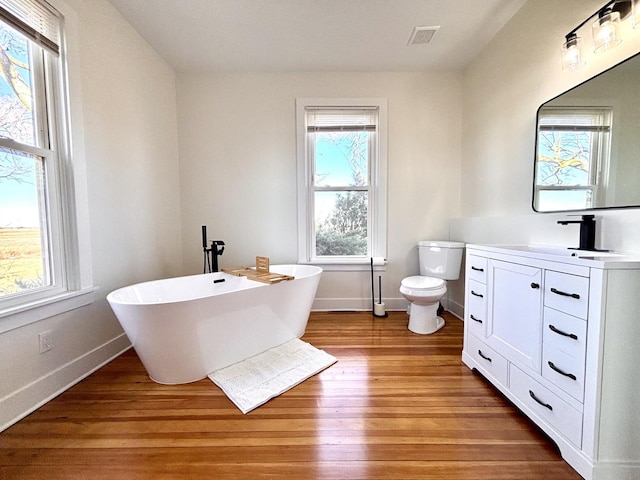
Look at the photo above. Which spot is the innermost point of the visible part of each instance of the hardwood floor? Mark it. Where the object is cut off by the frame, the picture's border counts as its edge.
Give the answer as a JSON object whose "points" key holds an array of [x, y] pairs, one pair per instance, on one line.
{"points": [[395, 406]]}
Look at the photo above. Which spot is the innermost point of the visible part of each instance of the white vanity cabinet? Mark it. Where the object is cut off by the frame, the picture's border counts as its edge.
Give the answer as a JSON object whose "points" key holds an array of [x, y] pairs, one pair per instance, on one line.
{"points": [[559, 335]]}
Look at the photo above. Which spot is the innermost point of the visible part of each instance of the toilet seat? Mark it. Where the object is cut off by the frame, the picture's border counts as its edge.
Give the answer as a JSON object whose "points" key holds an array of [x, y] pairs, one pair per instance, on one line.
{"points": [[422, 284]]}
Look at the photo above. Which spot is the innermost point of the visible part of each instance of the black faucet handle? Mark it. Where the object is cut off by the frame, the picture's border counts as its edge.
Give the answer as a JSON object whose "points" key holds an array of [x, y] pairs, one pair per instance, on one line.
{"points": [[584, 219], [215, 246]]}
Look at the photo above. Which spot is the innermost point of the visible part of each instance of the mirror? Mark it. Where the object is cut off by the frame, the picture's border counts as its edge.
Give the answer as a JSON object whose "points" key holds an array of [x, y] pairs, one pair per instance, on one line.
{"points": [[588, 144]]}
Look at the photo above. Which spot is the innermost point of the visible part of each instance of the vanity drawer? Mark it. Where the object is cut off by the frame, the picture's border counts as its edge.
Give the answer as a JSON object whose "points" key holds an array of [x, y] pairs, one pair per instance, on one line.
{"points": [[563, 370], [476, 308], [565, 332], [547, 405], [566, 293], [477, 268], [492, 363]]}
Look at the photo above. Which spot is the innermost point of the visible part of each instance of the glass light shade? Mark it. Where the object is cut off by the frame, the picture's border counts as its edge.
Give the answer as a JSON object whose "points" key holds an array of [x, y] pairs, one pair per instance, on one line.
{"points": [[572, 56], [605, 32]]}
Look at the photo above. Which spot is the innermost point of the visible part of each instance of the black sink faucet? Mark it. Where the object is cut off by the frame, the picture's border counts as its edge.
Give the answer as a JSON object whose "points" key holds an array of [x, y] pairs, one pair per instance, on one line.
{"points": [[587, 231]]}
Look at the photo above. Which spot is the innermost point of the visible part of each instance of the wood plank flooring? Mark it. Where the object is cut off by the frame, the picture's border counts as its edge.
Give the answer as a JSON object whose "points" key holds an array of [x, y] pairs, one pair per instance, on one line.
{"points": [[395, 406]]}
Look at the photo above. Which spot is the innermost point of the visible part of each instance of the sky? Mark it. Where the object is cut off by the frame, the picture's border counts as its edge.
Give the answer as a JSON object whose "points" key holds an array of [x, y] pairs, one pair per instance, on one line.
{"points": [[331, 168], [18, 200], [18, 204]]}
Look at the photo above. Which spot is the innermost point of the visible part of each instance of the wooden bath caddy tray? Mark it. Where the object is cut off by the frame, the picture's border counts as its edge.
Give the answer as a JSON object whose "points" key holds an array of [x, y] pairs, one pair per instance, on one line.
{"points": [[260, 274]]}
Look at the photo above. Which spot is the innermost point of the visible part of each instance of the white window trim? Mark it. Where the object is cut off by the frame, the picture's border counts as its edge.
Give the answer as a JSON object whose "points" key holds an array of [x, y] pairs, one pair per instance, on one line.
{"points": [[600, 151], [378, 182], [80, 290]]}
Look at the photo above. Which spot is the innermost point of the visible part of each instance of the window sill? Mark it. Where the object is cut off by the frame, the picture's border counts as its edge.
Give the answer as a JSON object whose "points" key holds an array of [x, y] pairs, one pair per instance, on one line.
{"points": [[346, 265], [22, 315]]}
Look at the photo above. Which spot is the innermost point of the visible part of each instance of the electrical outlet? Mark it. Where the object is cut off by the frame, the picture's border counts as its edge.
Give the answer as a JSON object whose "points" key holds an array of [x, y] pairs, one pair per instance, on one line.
{"points": [[45, 341]]}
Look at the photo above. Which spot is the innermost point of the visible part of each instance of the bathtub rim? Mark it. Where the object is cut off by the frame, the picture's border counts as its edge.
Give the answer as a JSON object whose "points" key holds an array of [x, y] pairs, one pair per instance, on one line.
{"points": [[312, 271]]}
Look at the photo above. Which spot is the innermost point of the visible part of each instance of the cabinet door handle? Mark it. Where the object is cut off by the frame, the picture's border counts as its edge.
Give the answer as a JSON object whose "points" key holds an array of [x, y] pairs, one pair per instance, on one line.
{"points": [[565, 294], [475, 319], [556, 369], [477, 269], [477, 294], [545, 405], [560, 332], [484, 356], [535, 285]]}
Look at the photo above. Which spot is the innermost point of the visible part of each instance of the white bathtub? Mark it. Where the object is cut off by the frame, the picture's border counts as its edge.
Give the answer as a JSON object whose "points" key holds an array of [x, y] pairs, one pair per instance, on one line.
{"points": [[187, 327]]}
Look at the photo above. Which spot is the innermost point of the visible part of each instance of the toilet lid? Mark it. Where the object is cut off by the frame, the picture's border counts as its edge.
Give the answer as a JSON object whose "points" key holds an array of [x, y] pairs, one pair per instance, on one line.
{"points": [[419, 282]]}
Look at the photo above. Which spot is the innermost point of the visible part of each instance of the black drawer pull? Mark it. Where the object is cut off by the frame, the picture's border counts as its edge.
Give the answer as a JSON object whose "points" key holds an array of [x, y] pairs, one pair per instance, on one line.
{"points": [[475, 319], [556, 369], [565, 294], [545, 405], [484, 356], [535, 285], [560, 332], [477, 294], [477, 269]]}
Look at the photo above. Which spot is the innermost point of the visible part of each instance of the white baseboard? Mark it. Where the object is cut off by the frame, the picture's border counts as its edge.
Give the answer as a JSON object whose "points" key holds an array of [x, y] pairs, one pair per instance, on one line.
{"points": [[455, 308], [22, 402], [356, 304], [364, 304]]}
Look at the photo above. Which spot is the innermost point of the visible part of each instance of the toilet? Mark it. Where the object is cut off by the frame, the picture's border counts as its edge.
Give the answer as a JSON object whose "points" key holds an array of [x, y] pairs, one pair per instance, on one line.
{"points": [[439, 261]]}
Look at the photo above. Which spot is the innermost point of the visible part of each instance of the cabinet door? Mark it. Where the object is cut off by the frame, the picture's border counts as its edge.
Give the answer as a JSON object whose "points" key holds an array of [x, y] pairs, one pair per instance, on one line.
{"points": [[514, 317]]}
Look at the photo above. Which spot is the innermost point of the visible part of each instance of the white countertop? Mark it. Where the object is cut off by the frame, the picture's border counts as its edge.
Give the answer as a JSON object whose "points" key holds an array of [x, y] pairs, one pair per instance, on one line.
{"points": [[594, 259]]}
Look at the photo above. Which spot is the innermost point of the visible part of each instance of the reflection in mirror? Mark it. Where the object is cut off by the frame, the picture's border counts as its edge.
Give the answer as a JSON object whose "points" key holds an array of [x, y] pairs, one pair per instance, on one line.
{"points": [[588, 144]]}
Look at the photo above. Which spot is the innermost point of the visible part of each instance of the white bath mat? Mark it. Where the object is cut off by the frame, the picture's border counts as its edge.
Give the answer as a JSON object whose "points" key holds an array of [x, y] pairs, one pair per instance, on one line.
{"points": [[258, 379]]}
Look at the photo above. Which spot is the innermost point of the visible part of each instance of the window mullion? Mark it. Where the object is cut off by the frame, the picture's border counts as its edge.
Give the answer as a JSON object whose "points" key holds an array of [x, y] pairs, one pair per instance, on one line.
{"points": [[350, 188]]}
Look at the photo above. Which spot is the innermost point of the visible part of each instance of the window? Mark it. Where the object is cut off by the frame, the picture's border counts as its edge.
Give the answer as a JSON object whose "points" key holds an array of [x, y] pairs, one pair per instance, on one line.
{"points": [[573, 157], [39, 262], [341, 180]]}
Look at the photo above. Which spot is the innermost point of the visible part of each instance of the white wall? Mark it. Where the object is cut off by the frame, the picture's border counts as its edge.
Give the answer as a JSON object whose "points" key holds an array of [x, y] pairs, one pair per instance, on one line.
{"points": [[125, 144], [238, 168], [503, 89]]}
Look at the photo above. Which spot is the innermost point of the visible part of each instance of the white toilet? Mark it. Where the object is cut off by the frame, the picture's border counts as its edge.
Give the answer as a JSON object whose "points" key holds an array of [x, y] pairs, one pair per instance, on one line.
{"points": [[439, 261]]}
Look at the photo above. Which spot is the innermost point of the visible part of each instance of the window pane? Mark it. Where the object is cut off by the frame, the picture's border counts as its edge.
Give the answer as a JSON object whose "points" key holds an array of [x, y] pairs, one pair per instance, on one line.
{"points": [[22, 252], [550, 200], [341, 223], [564, 158], [341, 158], [16, 92]]}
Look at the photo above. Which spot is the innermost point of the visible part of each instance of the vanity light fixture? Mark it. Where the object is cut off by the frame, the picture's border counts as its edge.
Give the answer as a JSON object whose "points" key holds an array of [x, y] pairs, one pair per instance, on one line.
{"points": [[572, 56], [635, 13], [604, 30]]}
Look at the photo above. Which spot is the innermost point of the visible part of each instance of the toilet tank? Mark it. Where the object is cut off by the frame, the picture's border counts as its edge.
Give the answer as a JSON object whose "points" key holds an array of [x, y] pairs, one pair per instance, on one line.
{"points": [[440, 259]]}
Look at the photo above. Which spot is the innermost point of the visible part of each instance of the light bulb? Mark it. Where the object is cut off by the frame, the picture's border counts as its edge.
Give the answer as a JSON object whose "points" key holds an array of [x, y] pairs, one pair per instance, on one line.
{"points": [[605, 31], [572, 58]]}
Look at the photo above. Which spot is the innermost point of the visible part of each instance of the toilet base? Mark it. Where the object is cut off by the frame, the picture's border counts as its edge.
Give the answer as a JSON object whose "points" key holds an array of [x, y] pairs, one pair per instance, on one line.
{"points": [[424, 319]]}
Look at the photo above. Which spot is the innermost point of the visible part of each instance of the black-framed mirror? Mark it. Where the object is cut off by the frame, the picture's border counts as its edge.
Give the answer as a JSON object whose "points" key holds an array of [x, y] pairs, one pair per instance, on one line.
{"points": [[587, 153]]}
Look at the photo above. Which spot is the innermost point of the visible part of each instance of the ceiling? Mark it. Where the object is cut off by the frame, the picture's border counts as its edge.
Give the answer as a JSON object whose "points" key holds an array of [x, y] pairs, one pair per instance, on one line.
{"points": [[315, 35]]}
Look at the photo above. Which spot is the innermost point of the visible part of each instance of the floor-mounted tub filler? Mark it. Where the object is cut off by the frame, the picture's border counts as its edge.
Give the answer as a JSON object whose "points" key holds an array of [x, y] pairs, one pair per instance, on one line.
{"points": [[185, 328]]}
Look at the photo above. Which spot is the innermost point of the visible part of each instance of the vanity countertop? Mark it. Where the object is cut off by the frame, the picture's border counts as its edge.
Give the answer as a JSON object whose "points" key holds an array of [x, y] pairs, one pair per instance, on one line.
{"points": [[595, 259]]}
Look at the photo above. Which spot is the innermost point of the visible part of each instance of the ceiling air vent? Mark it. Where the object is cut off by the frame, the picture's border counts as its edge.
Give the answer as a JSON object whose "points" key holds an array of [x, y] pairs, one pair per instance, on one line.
{"points": [[422, 35]]}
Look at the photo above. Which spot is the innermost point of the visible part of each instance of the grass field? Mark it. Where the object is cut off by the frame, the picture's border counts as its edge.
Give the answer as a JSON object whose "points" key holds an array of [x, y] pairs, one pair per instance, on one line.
{"points": [[20, 258]]}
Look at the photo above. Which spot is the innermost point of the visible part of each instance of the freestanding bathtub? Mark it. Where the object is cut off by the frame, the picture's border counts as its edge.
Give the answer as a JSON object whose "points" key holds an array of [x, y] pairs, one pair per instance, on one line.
{"points": [[185, 328]]}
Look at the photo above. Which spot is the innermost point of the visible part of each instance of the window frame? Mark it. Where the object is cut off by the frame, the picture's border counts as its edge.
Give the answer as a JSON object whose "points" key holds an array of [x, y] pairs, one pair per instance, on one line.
{"points": [[67, 233], [377, 185], [600, 150]]}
